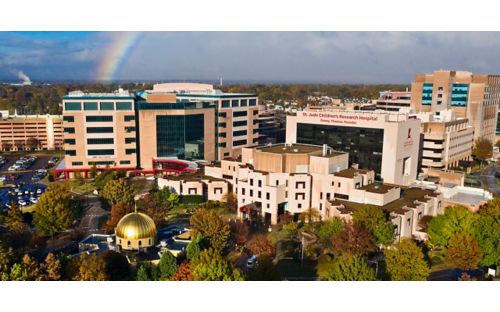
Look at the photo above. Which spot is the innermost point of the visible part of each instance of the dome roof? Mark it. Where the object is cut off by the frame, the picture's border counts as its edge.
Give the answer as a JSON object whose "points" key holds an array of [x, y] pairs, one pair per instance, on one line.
{"points": [[136, 225]]}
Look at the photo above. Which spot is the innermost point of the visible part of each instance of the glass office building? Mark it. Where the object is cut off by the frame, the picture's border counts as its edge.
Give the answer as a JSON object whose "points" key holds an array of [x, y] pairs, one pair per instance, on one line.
{"points": [[180, 136]]}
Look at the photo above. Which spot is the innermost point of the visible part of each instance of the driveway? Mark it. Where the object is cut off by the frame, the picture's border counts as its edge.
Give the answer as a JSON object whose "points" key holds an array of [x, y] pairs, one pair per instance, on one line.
{"points": [[93, 213]]}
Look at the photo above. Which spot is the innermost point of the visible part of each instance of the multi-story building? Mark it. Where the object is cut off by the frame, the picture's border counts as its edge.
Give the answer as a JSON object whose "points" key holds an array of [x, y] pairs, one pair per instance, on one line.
{"points": [[395, 101], [99, 130], [447, 140], [386, 142], [472, 96], [275, 181], [270, 129], [21, 132], [237, 114]]}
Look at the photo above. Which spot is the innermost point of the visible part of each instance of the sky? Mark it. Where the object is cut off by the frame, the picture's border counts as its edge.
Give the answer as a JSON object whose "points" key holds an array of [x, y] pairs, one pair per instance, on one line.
{"points": [[321, 57]]}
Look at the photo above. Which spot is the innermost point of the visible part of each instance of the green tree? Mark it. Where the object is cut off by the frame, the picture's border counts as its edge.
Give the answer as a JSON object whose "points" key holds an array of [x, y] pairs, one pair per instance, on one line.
{"points": [[345, 267], [195, 247], [142, 274], [93, 171], [118, 192], [14, 219], [168, 265], [487, 232], [328, 229], [483, 150], [455, 219], [33, 269], [55, 211], [264, 270], [212, 227], [463, 251], [91, 268], [374, 220], [210, 266], [17, 273], [405, 262]]}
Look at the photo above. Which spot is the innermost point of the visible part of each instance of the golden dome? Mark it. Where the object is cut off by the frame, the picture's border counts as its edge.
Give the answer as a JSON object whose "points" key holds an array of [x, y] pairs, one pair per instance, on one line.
{"points": [[136, 225]]}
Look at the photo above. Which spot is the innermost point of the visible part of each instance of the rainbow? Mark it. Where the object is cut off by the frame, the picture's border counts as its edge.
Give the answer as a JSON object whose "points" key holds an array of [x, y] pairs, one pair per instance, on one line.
{"points": [[116, 54]]}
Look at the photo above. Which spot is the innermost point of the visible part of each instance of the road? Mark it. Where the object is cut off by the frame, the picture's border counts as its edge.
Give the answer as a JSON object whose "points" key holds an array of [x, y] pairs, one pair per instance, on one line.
{"points": [[488, 177], [93, 212]]}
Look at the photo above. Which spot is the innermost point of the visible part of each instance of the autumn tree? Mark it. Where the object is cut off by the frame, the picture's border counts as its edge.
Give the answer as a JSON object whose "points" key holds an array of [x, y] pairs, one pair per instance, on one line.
{"points": [[455, 219], [374, 220], [117, 265], [117, 212], [231, 201], [6, 257], [118, 191], [261, 245], [239, 231], [54, 211], [33, 269], [212, 227], [51, 268], [264, 270], [354, 239], [168, 265], [91, 268], [183, 272], [310, 215], [463, 251], [483, 150], [405, 262], [210, 266], [345, 267], [487, 232], [33, 143]]}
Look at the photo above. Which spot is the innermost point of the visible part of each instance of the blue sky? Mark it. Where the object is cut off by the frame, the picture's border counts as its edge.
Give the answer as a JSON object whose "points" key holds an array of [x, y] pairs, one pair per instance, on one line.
{"points": [[336, 57]]}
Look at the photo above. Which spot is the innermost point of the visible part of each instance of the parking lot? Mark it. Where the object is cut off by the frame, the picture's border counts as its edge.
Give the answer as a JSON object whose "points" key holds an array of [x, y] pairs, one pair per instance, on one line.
{"points": [[25, 175]]}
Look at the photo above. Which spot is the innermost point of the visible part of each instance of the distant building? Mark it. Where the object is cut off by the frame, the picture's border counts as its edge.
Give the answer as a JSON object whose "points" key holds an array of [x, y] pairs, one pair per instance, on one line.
{"points": [[472, 96], [394, 101], [270, 129]]}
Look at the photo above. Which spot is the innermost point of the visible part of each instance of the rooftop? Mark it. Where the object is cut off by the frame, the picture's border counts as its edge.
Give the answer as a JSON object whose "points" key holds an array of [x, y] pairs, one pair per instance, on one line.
{"points": [[120, 93], [378, 188], [296, 149], [350, 172]]}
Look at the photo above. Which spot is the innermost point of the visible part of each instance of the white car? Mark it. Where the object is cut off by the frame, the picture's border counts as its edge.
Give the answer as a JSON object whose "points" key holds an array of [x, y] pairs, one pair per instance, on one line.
{"points": [[33, 200], [39, 191], [22, 202]]}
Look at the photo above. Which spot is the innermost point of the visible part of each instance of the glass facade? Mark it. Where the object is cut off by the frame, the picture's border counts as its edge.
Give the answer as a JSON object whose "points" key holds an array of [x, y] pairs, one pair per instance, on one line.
{"points": [[427, 94], [240, 114], [101, 141], [123, 106], [101, 152], [89, 105], [98, 118], [69, 118], [363, 145], [226, 103], [73, 106], [459, 93], [99, 129], [107, 106], [180, 136]]}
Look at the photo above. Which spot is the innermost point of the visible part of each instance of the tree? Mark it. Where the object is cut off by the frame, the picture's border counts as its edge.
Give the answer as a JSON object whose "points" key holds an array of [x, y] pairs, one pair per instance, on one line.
{"points": [[487, 232], [51, 268], [168, 265], [374, 220], [310, 215], [55, 210], [117, 266], [118, 192], [14, 219], [183, 272], [239, 231], [142, 273], [231, 201], [463, 251], [345, 267], [154, 206], [6, 256], [212, 227], [91, 268], [32, 143], [117, 212], [328, 229], [455, 219], [353, 239], [195, 247], [264, 270], [261, 245], [405, 262], [93, 171], [17, 273], [32, 268], [6, 146], [483, 150], [210, 266]]}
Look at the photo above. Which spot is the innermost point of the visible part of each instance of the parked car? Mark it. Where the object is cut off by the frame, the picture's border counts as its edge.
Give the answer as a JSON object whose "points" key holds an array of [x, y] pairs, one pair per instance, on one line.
{"points": [[251, 262]]}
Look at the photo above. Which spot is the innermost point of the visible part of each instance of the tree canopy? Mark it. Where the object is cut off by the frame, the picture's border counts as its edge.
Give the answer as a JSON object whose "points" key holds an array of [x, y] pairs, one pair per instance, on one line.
{"points": [[354, 239], [211, 266], [212, 227], [483, 149], [345, 267], [168, 265], [405, 262], [487, 232], [455, 219], [374, 220], [91, 268], [463, 251], [118, 191]]}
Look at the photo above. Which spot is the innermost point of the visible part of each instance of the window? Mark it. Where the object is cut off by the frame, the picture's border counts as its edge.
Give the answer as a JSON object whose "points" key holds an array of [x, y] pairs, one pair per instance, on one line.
{"points": [[341, 196], [130, 151], [69, 141], [129, 140], [103, 163], [255, 140], [225, 103], [223, 115], [240, 114], [427, 93], [239, 133], [98, 118], [251, 192], [339, 184], [140, 243], [259, 193], [259, 183], [253, 102], [440, 95], [99, 129], [70, 152], [255, 112], [242, 191], [240, 142], [235, 103], [69, 130], [321, 195], [89, 105], [408, 221], [299, 206], [243, 102], [300, 196], [101, 141], [300, 184], [129, 129], [128, 243], [69, 118], [223, 144], [221, 135], [73, 106], [218, 190], [124, 162], [123, 105], [268, 196], [239, 123], [222, 124], [128, 118], [77, 163], [251, 182], [277, 182], [101, 152], [107, 106], [440, 88]]}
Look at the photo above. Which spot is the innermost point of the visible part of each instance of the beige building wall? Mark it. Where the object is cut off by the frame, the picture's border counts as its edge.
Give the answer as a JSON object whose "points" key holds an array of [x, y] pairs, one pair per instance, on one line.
{"points": [[15, 132]]}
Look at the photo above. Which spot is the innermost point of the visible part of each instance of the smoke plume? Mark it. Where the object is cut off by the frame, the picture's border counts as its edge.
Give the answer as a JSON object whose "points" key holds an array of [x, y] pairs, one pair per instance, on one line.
{"points": [[21, 75]]}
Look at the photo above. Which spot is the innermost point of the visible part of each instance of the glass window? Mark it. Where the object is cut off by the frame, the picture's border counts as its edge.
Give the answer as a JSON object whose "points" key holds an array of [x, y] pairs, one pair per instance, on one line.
{"points": [[459, 94], [223, 144], [70, 152], [130, 151], [239, 133], [243, 102], [235, 103], [73, 106], [98, 118], [89, 105], [69, 141], [225, 103], [69, 130], [222, 135], [427, 93], [253, 102], [69, 118], [77, 163], [123, 106], [223, 115], [101, 152], [101, 141], [222, 124], [129, 129], [129, 140], [180, 136], [107, 106], [240, 114], [239, 123], [99, 129], [124, 162], [239, 142], [129, 118]]}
